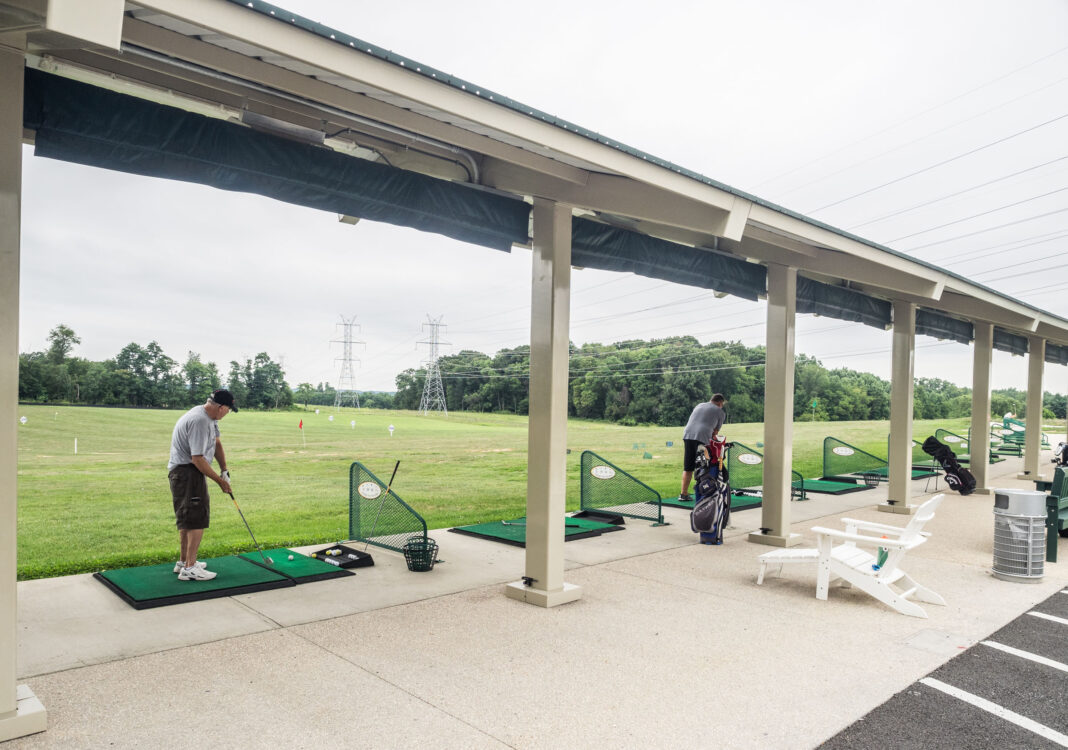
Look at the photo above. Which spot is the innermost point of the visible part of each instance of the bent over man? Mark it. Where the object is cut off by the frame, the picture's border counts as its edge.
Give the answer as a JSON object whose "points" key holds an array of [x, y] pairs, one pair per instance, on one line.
{"points": [[195, 444], [703, 425]]}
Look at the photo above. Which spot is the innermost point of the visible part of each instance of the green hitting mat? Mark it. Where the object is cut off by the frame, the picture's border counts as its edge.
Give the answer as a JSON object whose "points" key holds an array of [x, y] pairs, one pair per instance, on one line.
{"points": [[514, 530], [158, 585], [831, 487], [739, 501]]}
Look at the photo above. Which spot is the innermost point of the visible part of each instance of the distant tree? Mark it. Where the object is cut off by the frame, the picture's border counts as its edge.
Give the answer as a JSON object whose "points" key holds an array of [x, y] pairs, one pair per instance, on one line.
{"points": [[62, 340]]}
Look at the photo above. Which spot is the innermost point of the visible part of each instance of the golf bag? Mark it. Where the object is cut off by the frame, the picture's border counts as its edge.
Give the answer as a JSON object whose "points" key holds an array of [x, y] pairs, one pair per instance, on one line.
{"points": [[712, 511], [1060, 454], [958, 478]]}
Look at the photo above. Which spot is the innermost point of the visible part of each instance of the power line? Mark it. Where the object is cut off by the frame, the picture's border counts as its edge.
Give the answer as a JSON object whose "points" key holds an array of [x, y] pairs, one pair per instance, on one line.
{"points": [[923, 137], [954, 195], [1057, 234], [915, 116], [988, 229], [978, 215], [939, 164]]}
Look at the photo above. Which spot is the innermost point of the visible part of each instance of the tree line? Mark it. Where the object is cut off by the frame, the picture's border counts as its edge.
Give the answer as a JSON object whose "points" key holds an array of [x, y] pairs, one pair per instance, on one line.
{"points": [[660, 381], [144, 376], [628, 382]]}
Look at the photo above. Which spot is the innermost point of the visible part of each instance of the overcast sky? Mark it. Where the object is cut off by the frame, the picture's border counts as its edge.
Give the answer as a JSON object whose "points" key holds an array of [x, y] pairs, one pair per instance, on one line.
{"points": [[939, 129]]}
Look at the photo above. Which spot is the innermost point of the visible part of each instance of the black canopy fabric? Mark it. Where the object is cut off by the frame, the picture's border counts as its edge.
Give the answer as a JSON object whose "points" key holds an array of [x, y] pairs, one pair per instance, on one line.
{"points": [[838, 302], [930, 323], [1009, 342], [89, 125], [596, 245], [1057, 355]]}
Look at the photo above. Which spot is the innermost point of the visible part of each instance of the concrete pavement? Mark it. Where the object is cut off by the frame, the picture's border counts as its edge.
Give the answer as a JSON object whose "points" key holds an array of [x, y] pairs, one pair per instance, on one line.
{"points": [[673, 644]]}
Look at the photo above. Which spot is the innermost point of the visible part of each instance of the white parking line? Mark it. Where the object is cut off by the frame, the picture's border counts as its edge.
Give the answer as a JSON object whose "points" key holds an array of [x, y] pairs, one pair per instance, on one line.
{"points": [[1026, 655], [1021, 721], [1051, 618]]}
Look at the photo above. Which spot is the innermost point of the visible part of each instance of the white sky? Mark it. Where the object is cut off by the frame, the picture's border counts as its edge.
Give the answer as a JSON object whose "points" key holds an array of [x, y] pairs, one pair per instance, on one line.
{"points": [[804, 104]]}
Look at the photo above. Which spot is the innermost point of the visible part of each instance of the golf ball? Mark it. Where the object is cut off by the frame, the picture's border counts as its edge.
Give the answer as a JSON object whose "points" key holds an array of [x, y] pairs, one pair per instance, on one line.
{"points": [[291, 557]]}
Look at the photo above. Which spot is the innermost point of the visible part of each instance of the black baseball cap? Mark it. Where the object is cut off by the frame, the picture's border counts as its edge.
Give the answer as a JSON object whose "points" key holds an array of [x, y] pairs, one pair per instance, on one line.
{"points": [[223, 397]]}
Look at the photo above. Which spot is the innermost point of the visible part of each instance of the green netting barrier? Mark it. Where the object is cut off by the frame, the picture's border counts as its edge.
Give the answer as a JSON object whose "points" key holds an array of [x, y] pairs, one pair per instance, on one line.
{"points": [[1014, 432], [919, 458], [745, 467], [607, 488], [378, 517], [842, 459]]}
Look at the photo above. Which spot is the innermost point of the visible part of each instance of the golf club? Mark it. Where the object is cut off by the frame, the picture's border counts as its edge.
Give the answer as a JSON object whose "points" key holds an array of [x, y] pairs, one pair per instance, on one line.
{"points": [[266, 559], [379, 513]]}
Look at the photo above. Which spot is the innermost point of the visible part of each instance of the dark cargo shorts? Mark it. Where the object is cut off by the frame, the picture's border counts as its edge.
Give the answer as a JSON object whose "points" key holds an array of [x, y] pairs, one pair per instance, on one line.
{"points": [[689, 454], [189, 488]]}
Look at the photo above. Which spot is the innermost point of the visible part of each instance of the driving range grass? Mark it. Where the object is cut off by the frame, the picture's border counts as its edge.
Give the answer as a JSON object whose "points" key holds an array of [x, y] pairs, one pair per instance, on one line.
{"points": [[109, 506]]}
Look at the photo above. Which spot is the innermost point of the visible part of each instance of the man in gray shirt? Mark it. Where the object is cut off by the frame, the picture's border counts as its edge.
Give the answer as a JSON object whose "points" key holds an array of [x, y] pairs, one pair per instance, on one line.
{"points": [[704, 424], [195, 444]]}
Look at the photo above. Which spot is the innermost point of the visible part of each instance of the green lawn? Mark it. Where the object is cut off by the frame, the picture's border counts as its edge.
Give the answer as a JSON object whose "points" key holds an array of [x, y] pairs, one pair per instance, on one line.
{"points": [[109, 505]]}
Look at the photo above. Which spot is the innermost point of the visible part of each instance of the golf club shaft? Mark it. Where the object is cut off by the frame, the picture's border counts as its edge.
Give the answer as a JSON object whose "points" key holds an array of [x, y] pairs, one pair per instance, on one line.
{"points": [[379, 513], [258, 548]]}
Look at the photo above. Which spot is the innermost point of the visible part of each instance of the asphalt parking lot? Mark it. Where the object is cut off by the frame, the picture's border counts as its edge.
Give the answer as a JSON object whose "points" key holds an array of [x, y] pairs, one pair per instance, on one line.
{"points": [[1007, 691]]}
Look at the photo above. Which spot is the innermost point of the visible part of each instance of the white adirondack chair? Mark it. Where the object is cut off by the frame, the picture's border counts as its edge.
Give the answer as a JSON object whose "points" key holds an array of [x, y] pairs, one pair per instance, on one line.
{"points": [[851, 556]]}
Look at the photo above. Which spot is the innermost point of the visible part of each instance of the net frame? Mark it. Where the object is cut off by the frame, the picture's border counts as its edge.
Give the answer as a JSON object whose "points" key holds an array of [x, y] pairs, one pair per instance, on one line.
{"points": [[855, 464], [604, 494], [747, 478], [390, 520]]}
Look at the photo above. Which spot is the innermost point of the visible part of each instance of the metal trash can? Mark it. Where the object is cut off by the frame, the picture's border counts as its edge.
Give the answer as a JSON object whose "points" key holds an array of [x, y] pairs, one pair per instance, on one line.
{"points": [[1019, 535]]}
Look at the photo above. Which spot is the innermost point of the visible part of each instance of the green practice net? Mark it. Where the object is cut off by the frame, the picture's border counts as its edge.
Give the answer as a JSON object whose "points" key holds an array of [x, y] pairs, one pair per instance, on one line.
{"points": [[607, 488], [956, 443], [379, 517], [841, 459], [920, 459], [745, 467]]}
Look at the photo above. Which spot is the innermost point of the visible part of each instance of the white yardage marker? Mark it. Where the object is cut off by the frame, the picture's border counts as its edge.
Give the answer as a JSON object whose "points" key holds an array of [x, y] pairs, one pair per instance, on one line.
{"points": [[1026, 655], [1011, 716], [1051, 618]]}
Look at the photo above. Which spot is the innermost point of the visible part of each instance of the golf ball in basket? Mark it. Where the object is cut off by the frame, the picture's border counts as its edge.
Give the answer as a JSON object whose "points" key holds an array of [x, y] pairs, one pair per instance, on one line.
{"points": [[291, 557]]}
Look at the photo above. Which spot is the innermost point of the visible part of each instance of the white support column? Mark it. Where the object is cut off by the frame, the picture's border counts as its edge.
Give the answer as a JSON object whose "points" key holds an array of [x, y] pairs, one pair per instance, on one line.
{"points": [[20, 712], [543, 583], [778, 409], [1036, 361], [979, 442], [901, 383]]}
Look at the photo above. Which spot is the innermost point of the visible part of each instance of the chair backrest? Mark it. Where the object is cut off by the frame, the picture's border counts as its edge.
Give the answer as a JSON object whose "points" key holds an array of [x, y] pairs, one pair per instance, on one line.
{"points": [[923, 514], [1059, 488], [915, 525]]}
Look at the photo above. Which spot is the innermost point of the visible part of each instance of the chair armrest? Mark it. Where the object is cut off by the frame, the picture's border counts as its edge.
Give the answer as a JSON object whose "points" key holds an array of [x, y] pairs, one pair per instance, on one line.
{"points": [[870, 541], [873, 526]]}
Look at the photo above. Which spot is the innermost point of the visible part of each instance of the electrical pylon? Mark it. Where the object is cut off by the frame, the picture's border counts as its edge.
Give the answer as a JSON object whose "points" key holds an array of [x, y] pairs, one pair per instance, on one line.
{"points": [[433, 391], [346, 381]]}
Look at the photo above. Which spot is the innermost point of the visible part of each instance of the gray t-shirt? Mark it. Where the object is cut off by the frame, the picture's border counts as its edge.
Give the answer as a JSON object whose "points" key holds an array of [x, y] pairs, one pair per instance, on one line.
{"points": [[705, 419], [194, 435]]}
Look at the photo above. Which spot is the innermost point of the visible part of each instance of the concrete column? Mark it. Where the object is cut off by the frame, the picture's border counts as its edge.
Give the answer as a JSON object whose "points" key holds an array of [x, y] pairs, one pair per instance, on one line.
{"points": [[1036, 361], [20, 712], [901, 382], [979, 442], [778, 409], [547, 431]]}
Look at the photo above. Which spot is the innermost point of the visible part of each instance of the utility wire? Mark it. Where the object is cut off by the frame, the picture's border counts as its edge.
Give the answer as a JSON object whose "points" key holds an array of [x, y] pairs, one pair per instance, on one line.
{"points": [[939, 164], [916, 116], [954, 195], [978, 215], [988, 229]]}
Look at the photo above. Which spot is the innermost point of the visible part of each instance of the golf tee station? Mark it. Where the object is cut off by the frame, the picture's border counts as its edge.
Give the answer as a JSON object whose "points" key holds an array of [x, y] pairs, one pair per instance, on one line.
{"points": [[255, 99]]}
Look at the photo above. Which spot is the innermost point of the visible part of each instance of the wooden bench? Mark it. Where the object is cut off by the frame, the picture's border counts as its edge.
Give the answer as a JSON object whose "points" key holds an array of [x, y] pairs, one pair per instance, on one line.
{"points": [[1056, 513]]}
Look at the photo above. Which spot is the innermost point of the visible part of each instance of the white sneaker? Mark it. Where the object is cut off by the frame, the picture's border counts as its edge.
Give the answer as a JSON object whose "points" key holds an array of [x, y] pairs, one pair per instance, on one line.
{"points": [[178, 566], [196, 574]]}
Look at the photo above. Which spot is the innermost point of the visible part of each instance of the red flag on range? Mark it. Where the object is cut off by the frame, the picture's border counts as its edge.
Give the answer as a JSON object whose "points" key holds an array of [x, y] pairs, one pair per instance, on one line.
{"points": [[301, 425]]}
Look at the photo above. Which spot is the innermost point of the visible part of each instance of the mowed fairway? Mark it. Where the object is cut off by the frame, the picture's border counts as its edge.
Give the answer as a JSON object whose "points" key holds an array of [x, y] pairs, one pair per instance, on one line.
{"points": [[109, 506]]}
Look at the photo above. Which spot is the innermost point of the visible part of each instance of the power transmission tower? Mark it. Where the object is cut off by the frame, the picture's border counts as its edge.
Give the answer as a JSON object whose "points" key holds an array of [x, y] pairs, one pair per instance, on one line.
{"points": [[433, 391], [346, 381]]}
